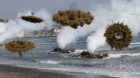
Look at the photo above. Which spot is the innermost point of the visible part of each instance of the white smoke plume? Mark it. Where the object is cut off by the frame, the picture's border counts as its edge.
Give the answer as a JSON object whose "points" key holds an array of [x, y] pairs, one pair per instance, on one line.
{"points": [[18, 27], [68, 35], [96, 40], [124, 11], [47, 23], [10, 30]]}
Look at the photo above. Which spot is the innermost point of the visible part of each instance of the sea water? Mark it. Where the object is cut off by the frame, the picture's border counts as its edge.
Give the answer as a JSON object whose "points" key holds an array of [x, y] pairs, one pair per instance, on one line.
{"points": [[124, 64]]}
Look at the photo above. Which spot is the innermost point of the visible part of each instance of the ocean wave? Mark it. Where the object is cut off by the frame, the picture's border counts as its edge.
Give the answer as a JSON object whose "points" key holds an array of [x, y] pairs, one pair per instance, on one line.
{"points": [[87, 70], [120, 55], [50, 62], [114, 74], [46, 43], [135, 43]]}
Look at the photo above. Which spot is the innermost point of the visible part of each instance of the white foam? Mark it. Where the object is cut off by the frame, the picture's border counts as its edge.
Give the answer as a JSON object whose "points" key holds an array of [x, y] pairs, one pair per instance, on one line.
{"points": [[50, 62], [119, 55]]}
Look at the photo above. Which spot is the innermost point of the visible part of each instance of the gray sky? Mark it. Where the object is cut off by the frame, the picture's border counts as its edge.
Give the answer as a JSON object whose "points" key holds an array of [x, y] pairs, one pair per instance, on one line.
{"points": [[10, 8]]}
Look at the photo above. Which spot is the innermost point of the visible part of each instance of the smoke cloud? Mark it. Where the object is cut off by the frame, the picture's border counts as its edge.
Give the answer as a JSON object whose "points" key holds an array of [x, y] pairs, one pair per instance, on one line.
{"points": [[68, 35], [124, 11], [18, 27]]}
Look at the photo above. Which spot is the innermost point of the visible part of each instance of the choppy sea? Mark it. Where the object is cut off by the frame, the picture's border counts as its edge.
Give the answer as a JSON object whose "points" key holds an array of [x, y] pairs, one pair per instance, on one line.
{"points": [[123, 64]]}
